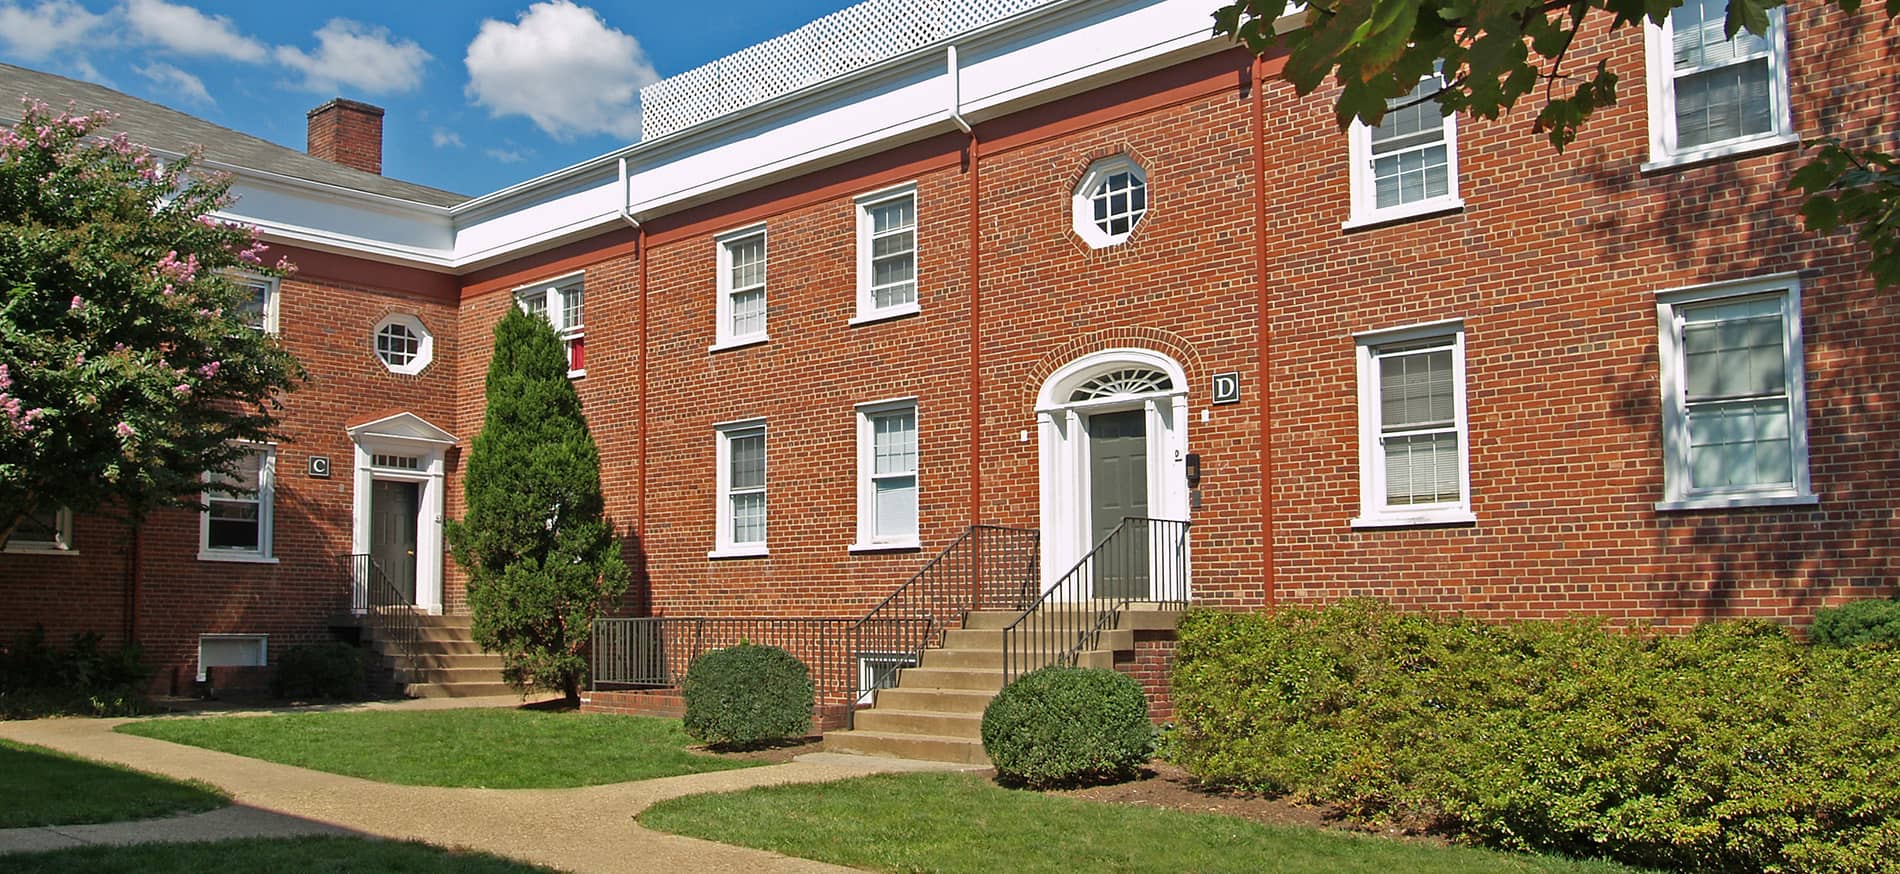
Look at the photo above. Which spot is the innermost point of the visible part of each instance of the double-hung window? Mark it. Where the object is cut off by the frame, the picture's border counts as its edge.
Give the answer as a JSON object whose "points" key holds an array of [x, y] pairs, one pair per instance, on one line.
{"points": [[1711, 96], [887, 476], [741, 478], [1408, 164], [259, 308], [46, 528], [560, 302], [741, 288], [236, 522], [1734, 406], [1414, 441], [887, 254]]}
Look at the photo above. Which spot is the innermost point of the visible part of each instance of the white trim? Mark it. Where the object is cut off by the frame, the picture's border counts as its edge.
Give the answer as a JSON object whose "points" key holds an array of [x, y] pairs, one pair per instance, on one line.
{"points": [[1678, 491], [1063, 451], [1081, 201], [553, 294], [264, 498], [61, 544], [1659, 61], [723, 244], [868, 310], [425, 344], [867, 537], [1365, 210], [404, 434], [1374, 512], [724, 544]]}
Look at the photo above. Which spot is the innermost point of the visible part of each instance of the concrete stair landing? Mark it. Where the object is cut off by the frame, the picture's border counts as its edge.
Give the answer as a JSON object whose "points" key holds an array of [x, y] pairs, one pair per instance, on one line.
{"points": [[448, 663]]}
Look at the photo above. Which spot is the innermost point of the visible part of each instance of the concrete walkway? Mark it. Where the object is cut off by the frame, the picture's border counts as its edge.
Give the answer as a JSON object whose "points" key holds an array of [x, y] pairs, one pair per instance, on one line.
{"points": [[584, 830]]}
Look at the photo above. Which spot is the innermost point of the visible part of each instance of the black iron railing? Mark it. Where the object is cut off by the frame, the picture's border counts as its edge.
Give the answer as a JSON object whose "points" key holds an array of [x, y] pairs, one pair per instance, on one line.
{"points": [[386, 611], [654, 652], [990, 567], [1142, 560]]}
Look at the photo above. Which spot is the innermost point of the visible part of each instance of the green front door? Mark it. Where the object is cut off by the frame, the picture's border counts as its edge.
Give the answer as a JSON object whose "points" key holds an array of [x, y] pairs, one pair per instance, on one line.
{"points": [[1118, 489]]}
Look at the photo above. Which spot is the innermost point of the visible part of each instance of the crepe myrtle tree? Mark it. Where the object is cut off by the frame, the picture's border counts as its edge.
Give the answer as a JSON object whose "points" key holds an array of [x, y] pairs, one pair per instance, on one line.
{"points": [[1493, 53], [541, 558], [130, 366]]}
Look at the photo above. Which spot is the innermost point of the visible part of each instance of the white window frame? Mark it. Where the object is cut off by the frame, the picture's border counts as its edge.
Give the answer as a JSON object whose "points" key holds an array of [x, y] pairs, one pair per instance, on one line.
{"points": [[1365, 208], [868, 310], [1660, 54], [1081, 201], [425, 346], [1374, 512], [266, 491], [868, 540], [553, 295], [869, 664], [272, 291], [1678, 493], [725, 338], [724, 545], [61, 544], [256, 655]]}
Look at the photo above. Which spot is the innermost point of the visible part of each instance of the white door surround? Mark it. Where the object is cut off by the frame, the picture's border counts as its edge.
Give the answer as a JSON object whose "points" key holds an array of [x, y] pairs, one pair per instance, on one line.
{"points": [[398, 439], [1062, 425]]}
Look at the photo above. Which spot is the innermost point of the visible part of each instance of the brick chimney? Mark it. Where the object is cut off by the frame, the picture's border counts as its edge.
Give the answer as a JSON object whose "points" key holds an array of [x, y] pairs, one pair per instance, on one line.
{"points": [[349, 133]]}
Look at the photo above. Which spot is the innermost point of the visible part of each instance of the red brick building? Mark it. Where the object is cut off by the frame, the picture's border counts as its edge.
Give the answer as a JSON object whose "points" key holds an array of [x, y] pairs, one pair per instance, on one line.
{"points": [[1050, 264]]}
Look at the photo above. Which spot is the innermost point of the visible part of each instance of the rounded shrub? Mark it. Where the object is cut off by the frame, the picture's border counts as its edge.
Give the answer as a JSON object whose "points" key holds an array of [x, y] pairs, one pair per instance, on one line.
{"points": [[1857, 623], [1062, 726], [747, 695], [320, 671]]}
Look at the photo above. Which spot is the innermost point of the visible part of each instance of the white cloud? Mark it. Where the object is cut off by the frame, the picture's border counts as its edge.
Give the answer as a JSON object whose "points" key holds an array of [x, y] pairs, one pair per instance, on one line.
{"points": [[356, 55], [47, 28], [444, 137], [185, 30], [508, 156], [85, 70], [562, 67], [176, 81]]}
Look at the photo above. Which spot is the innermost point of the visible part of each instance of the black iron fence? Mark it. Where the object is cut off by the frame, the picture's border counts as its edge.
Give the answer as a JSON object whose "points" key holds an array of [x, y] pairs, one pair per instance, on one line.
{"points": [[654, 652], [386, 611], [1142, 560]]}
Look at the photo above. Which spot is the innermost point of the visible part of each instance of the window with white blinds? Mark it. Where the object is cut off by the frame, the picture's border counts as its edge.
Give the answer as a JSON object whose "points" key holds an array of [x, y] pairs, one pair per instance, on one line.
{"points": [[1711, 94], [742, 262], [1734, 410], [236, 522], [887, 475], [1412, 427], [887, 253], [742, 487], [560, 303]]}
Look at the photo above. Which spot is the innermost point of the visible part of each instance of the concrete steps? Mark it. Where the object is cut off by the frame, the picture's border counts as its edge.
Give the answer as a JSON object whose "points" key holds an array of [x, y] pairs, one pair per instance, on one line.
{"points": [[447, 661]]}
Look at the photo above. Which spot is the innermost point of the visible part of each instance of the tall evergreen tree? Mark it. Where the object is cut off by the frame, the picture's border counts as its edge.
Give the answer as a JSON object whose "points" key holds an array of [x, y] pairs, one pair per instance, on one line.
{"points": [[541, 558]]}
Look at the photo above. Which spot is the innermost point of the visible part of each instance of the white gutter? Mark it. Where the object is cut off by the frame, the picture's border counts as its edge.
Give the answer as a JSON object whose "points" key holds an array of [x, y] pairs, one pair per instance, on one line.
{"points": [[956, 92], [626, 197]]}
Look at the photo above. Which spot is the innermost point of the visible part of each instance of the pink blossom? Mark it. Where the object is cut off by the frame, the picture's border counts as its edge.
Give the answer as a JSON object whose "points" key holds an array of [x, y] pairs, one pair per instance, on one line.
{"points": [[181, 389], [284, 265], [77, 304], [125, 430], [210, 370], [6, 378]]}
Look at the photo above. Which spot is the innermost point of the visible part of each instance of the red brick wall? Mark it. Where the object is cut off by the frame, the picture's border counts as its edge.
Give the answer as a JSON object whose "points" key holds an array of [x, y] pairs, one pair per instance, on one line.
{"points": [[347, 132], [1152, 665]]}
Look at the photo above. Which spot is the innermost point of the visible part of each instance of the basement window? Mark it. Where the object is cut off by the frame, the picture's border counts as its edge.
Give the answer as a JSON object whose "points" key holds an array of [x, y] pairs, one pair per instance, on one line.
{"points": [[231, 651]]}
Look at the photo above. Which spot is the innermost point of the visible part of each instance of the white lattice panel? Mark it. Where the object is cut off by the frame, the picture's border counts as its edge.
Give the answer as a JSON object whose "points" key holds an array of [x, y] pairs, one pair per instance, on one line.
{"points": [[846, 40]]}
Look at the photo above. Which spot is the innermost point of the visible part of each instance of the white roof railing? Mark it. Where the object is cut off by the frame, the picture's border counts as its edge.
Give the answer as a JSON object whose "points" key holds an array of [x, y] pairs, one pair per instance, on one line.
{"points": [[849, 39]]}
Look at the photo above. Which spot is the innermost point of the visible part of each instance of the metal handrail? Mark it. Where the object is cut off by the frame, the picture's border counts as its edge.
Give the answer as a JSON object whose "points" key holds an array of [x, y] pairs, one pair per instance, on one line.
{"points": [[656, 651], [989, 566], [1143, 560], [390, 615]]}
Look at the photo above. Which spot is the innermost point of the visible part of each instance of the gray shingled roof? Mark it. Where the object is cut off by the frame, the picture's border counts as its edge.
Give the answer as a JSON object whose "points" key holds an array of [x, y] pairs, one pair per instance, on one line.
{"points": [[169, 130]]}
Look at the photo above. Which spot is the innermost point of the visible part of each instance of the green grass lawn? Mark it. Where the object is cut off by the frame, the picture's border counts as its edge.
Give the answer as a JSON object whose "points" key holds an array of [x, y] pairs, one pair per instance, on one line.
{"points": [[43, 787], [302, 855], [951, 823], [489, 748]]}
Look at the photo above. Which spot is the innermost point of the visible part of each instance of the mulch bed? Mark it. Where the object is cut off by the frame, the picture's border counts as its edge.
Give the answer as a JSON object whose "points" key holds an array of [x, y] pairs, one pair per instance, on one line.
{"points": [[1168, 786], [776, 753]]}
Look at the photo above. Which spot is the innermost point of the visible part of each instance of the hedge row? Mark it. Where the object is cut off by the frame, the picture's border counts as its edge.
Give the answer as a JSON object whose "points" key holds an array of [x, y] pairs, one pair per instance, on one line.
{"points": [[1730, 749]]}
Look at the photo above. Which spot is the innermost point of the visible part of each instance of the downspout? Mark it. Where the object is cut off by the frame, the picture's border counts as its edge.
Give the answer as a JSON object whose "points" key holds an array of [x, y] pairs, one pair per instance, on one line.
{"points": [[976, 295], [640, 436], [626, 201], [1257, 81], [956, 90]]}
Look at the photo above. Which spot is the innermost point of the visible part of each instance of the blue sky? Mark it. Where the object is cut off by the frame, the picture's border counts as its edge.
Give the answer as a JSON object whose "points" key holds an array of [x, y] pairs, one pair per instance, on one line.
{"points": [[479, 94]]}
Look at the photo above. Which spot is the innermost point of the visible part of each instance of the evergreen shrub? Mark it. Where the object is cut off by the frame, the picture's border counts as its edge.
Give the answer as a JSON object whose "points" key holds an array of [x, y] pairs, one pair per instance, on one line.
{"points": [[1059, 726], [747, 695], [1731, 748], [325, 671], [84, 679], [1857, 623]]}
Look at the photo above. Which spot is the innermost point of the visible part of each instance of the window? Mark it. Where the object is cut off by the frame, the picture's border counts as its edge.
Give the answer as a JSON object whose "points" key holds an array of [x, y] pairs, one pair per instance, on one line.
{"points": [[741, 490], [403, 345], [741, 288], [887, 254], [1710, 96], [231, 651], [1412, 431], [236, 522], [1408, 164], [47, 528], [1734, 406], [1110, 202], [560, 302], [260, 309], [887, 476], [879, 670]]}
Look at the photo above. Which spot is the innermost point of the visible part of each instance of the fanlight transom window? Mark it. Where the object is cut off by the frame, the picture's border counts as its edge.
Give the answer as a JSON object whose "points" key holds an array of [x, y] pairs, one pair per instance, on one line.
{"points": [[1122, 382]]}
